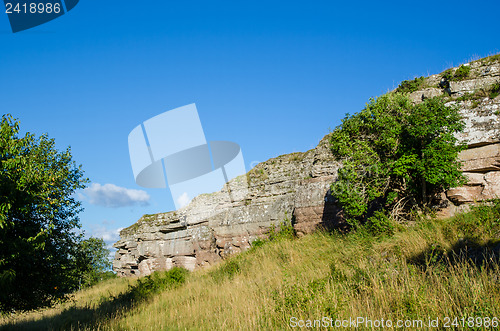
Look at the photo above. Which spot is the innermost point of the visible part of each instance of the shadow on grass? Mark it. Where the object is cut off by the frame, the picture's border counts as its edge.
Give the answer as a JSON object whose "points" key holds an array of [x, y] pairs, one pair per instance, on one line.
{"points": [[92, 317], [75, 318], [468, 249]]}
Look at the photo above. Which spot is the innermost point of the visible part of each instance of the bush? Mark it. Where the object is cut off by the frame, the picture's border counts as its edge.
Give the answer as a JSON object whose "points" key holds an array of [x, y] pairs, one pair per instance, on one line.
{"points": [[157, 282], [380, 224], [284, 231], [462, 72], [258, 243], [494, 90], [408, 86], [483, 220], [447, 74], [226, 271], [395, 155]]}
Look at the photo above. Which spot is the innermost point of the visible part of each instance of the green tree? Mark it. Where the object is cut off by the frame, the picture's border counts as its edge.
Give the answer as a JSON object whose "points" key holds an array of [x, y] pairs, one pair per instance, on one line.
{"points": [[38, 219], [395, 155], [93, 261]]}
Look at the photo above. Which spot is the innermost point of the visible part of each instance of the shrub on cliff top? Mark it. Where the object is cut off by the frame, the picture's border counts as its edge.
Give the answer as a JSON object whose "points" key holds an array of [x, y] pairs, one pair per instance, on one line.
{"points": [[395, 155], [408, 86], [461, 73]]}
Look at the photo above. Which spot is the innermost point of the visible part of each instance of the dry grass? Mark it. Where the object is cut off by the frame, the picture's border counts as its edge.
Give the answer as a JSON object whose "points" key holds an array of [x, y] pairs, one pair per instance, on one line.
{"points": [[431, 270], [81, 308]]}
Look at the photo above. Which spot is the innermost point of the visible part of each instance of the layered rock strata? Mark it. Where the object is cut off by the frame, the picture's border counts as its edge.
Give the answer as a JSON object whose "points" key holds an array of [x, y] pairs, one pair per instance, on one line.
{"points": [[217, 225], [478, 99]]}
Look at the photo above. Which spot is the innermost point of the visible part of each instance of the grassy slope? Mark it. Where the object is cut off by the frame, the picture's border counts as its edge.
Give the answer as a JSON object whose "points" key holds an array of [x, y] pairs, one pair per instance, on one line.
{"points": [[419, 272]]}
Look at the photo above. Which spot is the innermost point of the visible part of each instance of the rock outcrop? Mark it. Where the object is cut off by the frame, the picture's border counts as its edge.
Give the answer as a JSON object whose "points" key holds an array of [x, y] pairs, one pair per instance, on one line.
{"points": [[295, 186], [217, 225], [478, 99]]}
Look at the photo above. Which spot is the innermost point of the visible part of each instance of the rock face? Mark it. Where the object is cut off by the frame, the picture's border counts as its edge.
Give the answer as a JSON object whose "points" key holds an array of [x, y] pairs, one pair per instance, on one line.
{"points": [[295, 187], [479, 103], [482, 166], [217, 225]]}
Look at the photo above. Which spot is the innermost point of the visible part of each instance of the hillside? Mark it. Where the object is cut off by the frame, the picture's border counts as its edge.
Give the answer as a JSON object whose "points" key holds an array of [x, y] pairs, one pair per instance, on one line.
{"points": [[294, 187], [268, 256], [434, 269]]}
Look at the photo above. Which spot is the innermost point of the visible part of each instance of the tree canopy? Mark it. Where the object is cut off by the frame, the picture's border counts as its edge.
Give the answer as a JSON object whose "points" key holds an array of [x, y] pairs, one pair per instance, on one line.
{"points": [[38, 219], [93, 261], [395, 155]]}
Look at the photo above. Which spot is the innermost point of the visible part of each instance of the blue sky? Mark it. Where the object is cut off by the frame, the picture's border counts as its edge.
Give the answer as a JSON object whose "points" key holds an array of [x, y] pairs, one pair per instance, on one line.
{"points": [[272, 76]]}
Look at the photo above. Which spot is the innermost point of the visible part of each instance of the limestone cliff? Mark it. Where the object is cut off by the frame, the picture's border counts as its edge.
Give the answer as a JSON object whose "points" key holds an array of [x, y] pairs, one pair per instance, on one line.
{"points": [[295, 186]]}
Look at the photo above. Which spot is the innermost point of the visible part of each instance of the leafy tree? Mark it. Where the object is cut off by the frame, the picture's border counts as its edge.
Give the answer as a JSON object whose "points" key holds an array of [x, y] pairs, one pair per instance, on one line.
{"points": [[38, 219], [395, 155], [93, 261]]}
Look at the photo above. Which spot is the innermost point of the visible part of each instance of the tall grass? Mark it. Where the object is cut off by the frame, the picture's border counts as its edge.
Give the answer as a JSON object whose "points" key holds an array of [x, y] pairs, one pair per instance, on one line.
{"points": [[432, 269]]}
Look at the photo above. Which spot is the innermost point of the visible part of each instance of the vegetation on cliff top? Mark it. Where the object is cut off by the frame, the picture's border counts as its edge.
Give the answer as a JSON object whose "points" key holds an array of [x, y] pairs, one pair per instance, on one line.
{"points": [[458, 74], [434, 268], [396, 156], [408, 86]]}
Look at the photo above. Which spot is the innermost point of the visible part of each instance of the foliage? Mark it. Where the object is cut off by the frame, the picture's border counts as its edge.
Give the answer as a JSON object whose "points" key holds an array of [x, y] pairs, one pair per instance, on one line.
{"points": [[380, 224], [92, 259], [257, 243], [461, 73], [283, 231], [227, 270], [492, 58], [483, 220], [157, 282], [447, 74], [408, 86], [494, 90], [38, 218], [395, 155]]}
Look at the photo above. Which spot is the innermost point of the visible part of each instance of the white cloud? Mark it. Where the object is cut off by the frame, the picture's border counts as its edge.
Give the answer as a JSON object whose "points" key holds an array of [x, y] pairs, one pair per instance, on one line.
{"points": [[110, 236], [110, 195], [183, 200]]}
